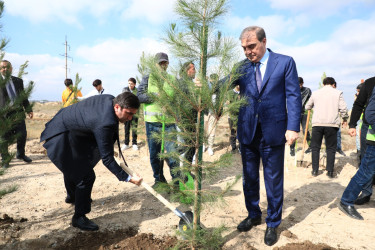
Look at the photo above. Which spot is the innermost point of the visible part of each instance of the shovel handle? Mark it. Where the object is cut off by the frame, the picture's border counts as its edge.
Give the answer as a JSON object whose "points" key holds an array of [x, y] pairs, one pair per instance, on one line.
{"points": [[150, 189], [306, 129]]}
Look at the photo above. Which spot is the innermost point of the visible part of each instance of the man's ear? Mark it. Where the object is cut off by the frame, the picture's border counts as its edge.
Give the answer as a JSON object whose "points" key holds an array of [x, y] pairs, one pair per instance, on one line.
{"points": [[117, 107]]}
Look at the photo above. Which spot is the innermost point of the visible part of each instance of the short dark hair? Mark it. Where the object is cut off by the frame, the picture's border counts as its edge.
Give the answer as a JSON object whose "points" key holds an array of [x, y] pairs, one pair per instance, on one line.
{"points": [[132, 79], [68, 82], [300, 80], [359, 86], [127, 100], [329, 81], [97, 82]]}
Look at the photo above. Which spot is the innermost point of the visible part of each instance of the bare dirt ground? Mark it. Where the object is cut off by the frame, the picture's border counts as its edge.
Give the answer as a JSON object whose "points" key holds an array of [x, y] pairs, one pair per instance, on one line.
{"points": [[36, 216]]}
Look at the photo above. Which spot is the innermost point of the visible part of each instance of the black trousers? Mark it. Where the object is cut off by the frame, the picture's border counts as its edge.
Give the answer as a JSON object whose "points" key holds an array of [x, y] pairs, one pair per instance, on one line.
{"points": [[330, 136], [80, 192], [19, 130], [128, 124]]}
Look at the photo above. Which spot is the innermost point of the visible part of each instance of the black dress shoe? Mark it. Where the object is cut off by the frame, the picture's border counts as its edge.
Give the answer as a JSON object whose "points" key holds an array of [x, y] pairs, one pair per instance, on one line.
{"points": [[350, 211], [83, 223], [24, 158], [248, 223], [292, 152], [69, 200], [340, 152], [308, 150], [330, 174], [270, 237], [314, 173], [362, 199]]}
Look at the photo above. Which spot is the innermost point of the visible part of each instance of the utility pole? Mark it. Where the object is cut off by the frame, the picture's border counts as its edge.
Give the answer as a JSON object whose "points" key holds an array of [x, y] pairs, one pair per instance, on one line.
{"points": [[66, 57]]}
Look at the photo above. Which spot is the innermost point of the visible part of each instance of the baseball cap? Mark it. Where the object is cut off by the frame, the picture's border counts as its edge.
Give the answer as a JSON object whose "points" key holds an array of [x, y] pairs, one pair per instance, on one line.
{"points": [[161, 57]]}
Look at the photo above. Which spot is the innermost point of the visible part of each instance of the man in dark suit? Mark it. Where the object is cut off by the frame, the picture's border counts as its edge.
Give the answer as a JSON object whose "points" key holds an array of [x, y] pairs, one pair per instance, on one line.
{"points": [[13, 89], [269, 81], [78, 137], [132, 89]]}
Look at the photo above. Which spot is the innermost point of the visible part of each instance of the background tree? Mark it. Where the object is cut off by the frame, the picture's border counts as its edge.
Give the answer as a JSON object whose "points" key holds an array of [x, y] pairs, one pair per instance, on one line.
{"points": [[10, 113], [197, 41], [73, 97], [321, 80]]}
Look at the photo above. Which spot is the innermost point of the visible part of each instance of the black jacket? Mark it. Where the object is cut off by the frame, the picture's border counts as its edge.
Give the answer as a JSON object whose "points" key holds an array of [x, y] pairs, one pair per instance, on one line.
{"points": [[361, 102], [370, 115], [82, 134], [18, 85]]}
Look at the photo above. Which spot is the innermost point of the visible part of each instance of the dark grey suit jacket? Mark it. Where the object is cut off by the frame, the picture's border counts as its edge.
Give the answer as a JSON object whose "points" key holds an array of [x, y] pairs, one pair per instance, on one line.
{"points": [[82, 134], [18, 85]]}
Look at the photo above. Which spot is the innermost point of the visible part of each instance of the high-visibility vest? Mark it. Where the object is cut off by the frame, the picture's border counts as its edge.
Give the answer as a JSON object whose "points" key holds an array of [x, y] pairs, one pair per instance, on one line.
{"points": [[152, 111], [370, 134]]}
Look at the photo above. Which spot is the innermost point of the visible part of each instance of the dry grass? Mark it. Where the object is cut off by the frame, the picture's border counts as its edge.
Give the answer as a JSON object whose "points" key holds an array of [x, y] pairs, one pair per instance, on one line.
{"points": [[43, 112]]}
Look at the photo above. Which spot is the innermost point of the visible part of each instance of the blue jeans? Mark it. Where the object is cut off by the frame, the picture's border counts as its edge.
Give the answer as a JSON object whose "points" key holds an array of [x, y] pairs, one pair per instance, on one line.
{"points": [[361, 178], [367, 189], [155, 148], [364, 130], [339, 139]]}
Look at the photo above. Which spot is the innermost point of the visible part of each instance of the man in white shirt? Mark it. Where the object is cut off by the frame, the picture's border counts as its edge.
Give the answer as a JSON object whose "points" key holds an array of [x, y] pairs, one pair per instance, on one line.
{"points": [[98, 85]]}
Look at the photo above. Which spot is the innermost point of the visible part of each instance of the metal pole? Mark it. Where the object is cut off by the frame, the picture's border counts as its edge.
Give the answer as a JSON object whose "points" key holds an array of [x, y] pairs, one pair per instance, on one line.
{"points": [[66, 58]]}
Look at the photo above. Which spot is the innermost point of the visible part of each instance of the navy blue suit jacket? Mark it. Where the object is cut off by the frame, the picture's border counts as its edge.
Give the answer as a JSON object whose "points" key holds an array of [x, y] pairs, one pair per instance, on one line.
{"points": [[82, 134], [278, 105]]}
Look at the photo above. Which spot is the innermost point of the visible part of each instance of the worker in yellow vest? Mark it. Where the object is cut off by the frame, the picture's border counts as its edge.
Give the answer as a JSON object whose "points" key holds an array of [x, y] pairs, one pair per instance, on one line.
{"points": [[366, 170], [155, 118]]}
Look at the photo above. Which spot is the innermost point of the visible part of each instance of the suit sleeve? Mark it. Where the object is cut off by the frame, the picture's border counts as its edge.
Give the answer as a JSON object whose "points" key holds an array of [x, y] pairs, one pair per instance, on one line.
{"points": [[342, 107], [25, 102], [310, 103], [370, 111], [142, 91], [358, 107], [104, 138], [293, 96]]}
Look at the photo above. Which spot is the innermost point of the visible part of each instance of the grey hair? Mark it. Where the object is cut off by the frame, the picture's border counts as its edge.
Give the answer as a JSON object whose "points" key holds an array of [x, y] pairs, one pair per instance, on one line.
{"points": [[259, 32]]}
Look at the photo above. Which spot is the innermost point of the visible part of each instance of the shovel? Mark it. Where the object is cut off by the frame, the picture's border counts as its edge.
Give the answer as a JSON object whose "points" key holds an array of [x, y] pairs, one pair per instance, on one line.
{"points": [[186, 219], [162, 148], [300, 163]]}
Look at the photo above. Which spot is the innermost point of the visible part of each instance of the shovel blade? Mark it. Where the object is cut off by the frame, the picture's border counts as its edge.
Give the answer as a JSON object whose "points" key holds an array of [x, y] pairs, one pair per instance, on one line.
{"points": [[186, 222]]}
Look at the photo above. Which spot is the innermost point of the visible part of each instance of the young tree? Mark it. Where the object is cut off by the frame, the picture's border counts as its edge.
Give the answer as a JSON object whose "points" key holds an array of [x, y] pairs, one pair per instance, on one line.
{"points": [[321, 80], [10, 111], [75, 90], [197, 41]]}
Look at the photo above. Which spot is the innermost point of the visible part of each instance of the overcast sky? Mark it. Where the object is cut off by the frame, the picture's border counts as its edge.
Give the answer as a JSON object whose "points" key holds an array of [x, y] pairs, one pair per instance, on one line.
{"points": [[107, 38]]}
